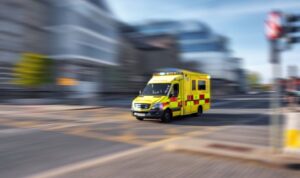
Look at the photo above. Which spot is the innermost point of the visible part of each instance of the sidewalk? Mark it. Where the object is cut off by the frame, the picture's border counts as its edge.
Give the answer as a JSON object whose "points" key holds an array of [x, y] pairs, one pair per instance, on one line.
{"points": [[49, 105], [107, 100], [239, 147], [234, 150], [110, 100]]}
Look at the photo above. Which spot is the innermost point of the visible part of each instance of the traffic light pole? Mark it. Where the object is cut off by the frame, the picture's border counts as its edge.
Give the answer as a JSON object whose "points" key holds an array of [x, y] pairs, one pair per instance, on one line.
{"points": [[278, 27], [275, 136]]}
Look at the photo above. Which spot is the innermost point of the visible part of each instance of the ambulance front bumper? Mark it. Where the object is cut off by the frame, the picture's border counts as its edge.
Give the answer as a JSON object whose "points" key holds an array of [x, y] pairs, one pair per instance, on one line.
{"points": [[148, 114]]}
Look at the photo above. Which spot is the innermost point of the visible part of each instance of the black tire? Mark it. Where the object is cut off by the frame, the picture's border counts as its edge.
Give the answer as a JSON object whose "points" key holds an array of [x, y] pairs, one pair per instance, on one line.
{"points": [[200, 111], [139, 118], [167, 116]]}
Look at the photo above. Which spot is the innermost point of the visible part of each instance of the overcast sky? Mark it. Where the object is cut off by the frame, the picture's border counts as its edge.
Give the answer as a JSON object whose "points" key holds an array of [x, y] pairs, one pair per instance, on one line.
{"points": [[240, 20]]}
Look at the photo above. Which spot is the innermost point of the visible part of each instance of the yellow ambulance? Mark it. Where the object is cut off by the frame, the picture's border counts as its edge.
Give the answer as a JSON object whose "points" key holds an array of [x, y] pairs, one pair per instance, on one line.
{"points": [[171, 93]]}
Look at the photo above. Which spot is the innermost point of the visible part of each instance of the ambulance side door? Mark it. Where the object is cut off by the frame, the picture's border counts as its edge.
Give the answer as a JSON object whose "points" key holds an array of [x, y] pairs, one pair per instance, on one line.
{"points": [[175, 99], [204, 89], [186, 95], [182, 97], [194, 95]]}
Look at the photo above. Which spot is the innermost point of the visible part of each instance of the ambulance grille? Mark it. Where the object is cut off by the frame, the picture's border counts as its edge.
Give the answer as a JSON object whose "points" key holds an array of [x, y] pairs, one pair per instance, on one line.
{"points": [[142, 106]]}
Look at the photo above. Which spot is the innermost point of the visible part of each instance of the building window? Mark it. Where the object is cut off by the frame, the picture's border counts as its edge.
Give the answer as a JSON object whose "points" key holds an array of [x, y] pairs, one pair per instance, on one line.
{"points": [[201, 85], [193, 84], [201, 47], [194, 35]]}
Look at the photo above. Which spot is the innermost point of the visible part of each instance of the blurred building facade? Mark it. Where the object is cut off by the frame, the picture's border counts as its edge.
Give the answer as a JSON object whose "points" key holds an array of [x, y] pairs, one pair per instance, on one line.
{"points": [[81, 36], [199, 44], [85, 39], [139, 58], [239, 75], [21, 30], [95, 53]]}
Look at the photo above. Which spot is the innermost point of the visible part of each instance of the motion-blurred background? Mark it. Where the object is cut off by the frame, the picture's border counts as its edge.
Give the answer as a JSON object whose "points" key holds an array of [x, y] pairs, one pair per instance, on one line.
{"points": [[69, 70], [73, 50]]}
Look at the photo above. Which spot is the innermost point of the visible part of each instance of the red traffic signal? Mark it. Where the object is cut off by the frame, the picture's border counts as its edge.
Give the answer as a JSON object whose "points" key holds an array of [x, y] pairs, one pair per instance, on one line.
{"points": [[274, 25]]}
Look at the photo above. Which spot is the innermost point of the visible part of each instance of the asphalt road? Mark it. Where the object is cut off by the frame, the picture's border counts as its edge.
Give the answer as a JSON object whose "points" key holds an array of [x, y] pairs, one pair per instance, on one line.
{"points": [[109, 142]]}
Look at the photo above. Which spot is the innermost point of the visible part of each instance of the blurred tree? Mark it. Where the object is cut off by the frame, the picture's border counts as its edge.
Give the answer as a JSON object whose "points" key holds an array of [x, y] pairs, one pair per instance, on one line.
{"points": [[266, 87], [33, 70], [254, 80]]}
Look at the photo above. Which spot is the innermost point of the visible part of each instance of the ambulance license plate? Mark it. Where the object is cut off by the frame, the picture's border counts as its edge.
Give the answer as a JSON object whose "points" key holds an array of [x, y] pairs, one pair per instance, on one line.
{"points": [[140, 114]]}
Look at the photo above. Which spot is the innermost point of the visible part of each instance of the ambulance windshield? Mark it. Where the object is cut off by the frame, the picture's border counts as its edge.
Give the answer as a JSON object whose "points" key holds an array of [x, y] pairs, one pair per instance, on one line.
{"points": [[156, 89]]}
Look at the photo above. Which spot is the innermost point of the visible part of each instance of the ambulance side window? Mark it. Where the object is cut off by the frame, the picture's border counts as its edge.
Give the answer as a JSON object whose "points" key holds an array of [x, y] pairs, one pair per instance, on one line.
{"points": [[175, 90], [193, 84], [201, 85]]}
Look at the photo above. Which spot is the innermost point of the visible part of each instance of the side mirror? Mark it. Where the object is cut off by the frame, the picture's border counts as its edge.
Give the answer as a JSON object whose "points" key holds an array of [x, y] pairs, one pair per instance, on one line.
{"points": [[140, 92]]}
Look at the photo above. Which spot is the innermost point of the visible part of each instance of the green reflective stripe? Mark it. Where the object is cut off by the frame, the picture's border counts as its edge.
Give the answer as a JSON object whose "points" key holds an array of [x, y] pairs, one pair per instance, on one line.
{"points": [[174, 104], [196, 97], [202, 102], [206, 96]]}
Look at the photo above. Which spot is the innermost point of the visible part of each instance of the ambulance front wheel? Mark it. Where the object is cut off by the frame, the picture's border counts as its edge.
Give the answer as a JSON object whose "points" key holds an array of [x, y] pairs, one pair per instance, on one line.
{"points": [[167, 116], [139, 118]]}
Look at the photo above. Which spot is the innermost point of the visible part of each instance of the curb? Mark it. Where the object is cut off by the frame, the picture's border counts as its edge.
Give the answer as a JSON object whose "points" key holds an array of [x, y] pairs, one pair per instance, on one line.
{"points": [[68, 108], [233, 150]]}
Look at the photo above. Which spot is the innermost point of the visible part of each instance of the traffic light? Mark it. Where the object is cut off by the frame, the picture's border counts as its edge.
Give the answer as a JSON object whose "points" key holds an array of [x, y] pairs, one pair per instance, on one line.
{"points": [[291, 27], [292, 18], [292, 40]]}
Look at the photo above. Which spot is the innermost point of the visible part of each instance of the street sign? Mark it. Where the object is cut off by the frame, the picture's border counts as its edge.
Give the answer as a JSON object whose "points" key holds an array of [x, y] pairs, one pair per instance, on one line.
{"points": [[274, 25]]}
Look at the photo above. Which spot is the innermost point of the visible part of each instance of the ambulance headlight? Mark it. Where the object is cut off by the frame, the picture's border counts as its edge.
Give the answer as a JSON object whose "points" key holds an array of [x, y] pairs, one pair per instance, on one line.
{"points": [[132, 106], [159, 106]]}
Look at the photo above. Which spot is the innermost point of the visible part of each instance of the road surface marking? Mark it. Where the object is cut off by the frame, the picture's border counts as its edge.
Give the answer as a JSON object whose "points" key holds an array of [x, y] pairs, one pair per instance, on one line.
{"points": [[15, 131], [102, 159]]}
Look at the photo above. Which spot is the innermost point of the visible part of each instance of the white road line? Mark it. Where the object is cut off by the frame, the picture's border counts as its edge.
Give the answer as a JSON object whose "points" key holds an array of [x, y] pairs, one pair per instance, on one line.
{"points": [[86, 164], [16, 131]]}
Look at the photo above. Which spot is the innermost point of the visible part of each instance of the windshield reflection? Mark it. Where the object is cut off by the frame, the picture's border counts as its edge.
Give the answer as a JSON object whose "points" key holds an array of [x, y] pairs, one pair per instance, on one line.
{"points": [[160, 89]]}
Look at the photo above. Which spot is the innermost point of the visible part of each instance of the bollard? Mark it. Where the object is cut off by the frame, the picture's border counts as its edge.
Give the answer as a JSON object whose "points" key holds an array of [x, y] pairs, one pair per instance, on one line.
{"points": [[292, 132]]}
